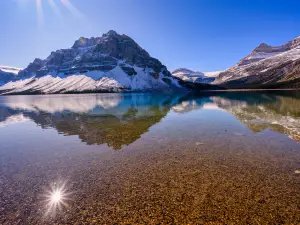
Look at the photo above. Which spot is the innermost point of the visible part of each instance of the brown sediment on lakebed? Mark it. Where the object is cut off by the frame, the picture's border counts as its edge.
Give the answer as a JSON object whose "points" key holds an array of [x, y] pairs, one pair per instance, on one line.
{"points": [[179, 183]]}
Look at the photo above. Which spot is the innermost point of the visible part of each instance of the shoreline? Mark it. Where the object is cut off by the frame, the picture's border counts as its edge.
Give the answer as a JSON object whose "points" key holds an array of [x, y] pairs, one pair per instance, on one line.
{"points": [[252, 90], [155, 92]]}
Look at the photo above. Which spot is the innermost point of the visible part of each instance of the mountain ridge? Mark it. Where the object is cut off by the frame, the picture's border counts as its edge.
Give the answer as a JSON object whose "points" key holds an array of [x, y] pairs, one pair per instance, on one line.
{"points": [[264, 51], [274, 67], [188, 75], [116, 63]]}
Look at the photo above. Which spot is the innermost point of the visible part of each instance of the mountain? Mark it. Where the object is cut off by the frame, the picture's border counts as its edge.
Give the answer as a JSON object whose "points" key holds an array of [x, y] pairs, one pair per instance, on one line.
{"points": [[116, 63], [265, 67], [8, 74], [195, 77], [110, 63], [264, 51]]}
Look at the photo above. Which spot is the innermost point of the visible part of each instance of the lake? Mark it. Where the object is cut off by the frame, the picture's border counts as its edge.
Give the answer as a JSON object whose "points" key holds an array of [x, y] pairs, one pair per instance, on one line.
{"points": [[223, 158]]}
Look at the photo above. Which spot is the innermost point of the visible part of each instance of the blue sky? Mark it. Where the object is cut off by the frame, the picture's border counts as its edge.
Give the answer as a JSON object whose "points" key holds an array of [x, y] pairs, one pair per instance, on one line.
{"points": [[204, 35]]}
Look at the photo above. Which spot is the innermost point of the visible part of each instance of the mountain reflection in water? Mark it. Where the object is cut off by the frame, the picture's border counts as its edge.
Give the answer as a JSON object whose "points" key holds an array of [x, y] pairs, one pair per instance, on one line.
{"points": [[120, 119]]}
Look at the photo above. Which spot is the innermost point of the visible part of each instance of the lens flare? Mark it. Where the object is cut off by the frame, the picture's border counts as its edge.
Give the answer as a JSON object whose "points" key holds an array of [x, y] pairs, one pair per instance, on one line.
{"points": [[56, 198], [40, 13], [42, 5], [72, 8], [55, 8]]}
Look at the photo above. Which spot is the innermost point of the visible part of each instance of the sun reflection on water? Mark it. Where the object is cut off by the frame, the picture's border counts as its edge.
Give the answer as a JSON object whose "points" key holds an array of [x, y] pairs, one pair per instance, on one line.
{"points": [[56, 198]]}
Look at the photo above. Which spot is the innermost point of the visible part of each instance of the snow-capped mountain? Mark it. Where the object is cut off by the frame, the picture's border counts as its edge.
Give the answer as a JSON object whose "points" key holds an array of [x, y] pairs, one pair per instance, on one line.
{"points": [[194, 76], [116, 63], [266, 67], [264, 51], [112, 62], [8, 74], [213, 74]]}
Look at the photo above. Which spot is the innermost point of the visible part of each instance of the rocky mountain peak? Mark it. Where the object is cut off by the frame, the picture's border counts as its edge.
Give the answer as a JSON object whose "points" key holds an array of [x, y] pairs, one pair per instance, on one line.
{"points": [[111, 33], [263, 45], [96, 52], [33, 68], [264, 51], [83, 42], [183, 70], [295, 42]]}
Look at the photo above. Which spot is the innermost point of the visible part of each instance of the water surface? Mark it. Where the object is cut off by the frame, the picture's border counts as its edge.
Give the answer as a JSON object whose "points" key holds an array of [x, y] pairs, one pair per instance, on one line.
{"points": [[226, 158]]}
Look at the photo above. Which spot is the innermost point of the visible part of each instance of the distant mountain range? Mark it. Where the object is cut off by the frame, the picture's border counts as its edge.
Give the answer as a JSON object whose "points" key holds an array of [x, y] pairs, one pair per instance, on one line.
{"points": [[196, 77], [265, 67], [116, 63], [8, 74]]}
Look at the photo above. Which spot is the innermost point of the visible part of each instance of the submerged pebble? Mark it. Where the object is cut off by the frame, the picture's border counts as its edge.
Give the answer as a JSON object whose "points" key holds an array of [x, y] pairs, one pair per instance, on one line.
{"points": [[199, 143]]}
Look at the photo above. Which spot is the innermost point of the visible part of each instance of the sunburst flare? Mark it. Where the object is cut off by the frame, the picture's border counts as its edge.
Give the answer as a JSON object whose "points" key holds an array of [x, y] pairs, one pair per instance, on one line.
{"points": [[56, 198], [57, 6]]}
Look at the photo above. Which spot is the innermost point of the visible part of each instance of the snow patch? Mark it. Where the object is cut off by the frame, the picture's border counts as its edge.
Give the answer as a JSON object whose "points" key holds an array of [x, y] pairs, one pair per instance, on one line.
{"points": [[9, 69]]}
